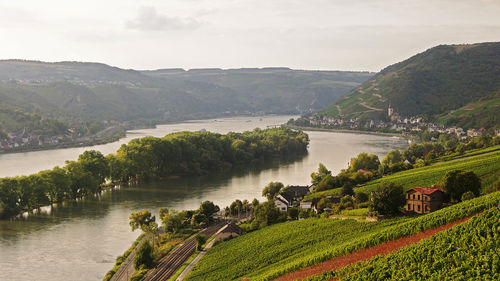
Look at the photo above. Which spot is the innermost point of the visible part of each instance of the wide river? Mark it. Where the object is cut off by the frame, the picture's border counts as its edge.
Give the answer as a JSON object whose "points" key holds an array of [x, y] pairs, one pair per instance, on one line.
{"points": [[80, 240]]}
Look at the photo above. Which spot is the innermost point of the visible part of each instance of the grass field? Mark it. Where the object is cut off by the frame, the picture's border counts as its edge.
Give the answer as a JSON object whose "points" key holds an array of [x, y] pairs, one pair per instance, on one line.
{"points": [[443, 256], [485, 163], [282, 248]]}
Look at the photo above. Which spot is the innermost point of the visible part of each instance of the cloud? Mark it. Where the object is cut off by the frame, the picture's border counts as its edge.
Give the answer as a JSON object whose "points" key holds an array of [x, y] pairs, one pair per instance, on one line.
{"points": [[149, 19]]}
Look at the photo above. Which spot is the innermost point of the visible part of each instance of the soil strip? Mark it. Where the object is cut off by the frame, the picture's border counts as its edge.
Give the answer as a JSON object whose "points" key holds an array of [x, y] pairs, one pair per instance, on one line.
{"points": [[365, 254]]}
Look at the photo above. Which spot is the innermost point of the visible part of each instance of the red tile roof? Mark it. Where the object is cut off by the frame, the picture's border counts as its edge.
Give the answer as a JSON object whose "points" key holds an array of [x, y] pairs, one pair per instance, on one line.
{"points": [[426, 190]]}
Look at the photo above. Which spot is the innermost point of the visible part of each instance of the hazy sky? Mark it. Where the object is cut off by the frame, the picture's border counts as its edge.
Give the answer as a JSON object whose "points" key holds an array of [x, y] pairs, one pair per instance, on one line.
{"points": [[306, 34]]}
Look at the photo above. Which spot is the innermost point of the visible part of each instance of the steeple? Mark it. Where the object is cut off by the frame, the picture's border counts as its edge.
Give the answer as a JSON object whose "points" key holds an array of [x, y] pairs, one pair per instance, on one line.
{"points": [[390, 110]]}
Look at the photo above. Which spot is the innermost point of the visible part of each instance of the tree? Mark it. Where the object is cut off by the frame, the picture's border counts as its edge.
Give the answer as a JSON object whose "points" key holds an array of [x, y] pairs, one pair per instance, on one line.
{"points": [[82, 181], [361, 197], [322, 172], [208, 208], [255, 203], [387, 199], [200, 240], [172, 220], [293, 213], [393, 157], [94, 162], [271, 190], [267, 213], [457, 182], [346, 202], [364, 161], [144, 256], [141, 220], [347, 189], [199, 219], [236, 207]]}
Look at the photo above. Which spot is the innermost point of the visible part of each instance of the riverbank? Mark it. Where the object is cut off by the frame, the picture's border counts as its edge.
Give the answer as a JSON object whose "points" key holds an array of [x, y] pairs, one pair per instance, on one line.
{"points": [[346, 131], [113, 134]]}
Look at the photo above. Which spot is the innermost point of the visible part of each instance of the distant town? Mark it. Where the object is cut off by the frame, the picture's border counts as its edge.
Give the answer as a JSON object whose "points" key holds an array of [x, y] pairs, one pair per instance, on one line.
{"points": [[397, 124], [27, 140]]}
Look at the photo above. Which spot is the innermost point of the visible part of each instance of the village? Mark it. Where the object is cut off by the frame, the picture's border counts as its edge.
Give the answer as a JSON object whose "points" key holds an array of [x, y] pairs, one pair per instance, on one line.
{"points": [[397, 124], [26, 140]]}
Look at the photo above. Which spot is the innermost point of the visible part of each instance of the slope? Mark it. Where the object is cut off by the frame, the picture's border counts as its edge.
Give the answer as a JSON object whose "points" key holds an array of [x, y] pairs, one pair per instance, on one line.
{"points": [[445, 256], [78, 92], [434, 82], [279, 249]]}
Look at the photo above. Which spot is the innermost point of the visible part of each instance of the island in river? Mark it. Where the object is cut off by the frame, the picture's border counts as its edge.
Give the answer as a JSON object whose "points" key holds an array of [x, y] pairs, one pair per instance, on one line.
{"points": [[96, 229]]}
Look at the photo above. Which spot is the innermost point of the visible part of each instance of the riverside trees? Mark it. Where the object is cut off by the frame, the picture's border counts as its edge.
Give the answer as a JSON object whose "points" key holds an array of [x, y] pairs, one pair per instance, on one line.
{"points": [[184, 153]]}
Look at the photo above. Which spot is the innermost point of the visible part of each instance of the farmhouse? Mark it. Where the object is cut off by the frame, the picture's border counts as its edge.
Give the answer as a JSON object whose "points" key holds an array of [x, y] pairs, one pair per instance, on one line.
{"points": [[228, 232], [291, 197], [423, 200]]}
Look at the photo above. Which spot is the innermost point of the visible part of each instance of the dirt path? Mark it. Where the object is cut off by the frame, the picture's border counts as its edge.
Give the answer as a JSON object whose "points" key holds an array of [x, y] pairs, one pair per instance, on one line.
{"points": [[369, 107], [365, 254]]}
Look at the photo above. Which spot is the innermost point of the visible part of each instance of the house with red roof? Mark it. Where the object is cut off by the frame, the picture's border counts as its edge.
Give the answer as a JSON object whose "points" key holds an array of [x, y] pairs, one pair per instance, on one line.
{"points": [[423, 200]]}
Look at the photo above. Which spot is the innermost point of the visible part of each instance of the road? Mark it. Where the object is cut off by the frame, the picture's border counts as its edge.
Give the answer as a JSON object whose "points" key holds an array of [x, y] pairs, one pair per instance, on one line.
{"points": [[174, 261]]}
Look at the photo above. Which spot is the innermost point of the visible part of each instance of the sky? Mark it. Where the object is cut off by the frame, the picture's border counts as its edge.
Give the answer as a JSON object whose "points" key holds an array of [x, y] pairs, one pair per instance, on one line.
{"points": [[364, 35]]}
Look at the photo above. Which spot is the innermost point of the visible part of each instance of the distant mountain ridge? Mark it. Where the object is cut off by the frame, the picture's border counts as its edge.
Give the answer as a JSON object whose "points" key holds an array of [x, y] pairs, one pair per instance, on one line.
{"points": [[79, 92], [434, 83]]}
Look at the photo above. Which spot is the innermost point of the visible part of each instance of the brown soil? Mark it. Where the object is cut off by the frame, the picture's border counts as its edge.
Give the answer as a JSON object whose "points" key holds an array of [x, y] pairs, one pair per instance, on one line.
{"points": [[365, 254]]}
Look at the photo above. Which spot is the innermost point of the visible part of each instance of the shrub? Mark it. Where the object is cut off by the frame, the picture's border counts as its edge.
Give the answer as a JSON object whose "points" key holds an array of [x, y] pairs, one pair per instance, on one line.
{"points": [[457, 182], [200, 240], [467, 196], [387, 199], [361, 197], [144, 257]]}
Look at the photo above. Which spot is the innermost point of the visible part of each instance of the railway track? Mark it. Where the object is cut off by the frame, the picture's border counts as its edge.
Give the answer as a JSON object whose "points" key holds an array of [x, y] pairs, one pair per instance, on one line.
{"points": [[175, 260]]}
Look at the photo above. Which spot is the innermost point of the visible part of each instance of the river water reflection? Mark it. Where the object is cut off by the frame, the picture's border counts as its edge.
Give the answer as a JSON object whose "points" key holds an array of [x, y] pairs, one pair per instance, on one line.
{"points": [[80, 240]]}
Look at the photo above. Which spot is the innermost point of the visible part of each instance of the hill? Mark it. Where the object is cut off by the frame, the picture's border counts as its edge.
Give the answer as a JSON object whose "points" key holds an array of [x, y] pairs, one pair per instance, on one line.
{"points": [[485, 163], [443, 83], [282, 248], [76, 92]]}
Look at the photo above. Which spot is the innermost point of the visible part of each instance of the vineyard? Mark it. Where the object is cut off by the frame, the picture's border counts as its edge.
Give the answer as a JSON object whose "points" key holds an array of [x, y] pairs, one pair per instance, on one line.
{"points": [[445, 256], [485, 165], [276, 250]]}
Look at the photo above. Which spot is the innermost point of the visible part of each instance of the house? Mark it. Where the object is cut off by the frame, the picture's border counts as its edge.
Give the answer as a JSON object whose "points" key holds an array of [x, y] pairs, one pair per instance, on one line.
{"points": [[423, 200], [291, 197], [228, 232]]}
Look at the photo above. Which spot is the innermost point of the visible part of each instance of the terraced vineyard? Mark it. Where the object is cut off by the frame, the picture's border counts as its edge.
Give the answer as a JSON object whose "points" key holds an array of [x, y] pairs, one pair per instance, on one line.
{"points": [[485, 165], [445, 256], [276, 250]]}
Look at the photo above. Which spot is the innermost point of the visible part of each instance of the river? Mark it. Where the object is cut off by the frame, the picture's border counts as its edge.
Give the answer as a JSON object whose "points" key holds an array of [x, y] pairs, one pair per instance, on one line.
{"points": [[80, 240]]}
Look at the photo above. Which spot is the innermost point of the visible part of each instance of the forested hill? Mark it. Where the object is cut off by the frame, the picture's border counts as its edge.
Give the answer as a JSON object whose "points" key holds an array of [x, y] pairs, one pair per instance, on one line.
{"points": [[433, 83], [74, 91]]}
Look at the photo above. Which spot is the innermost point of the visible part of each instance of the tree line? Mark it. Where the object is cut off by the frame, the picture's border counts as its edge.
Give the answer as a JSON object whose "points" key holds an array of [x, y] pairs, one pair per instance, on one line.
{"points": [[148, 158], [365, 167]]}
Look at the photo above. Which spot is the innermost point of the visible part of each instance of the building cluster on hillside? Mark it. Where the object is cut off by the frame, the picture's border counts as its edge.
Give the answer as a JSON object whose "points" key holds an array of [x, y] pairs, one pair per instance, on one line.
{"points": [[420, 200], [26, 139], [397, 123]]}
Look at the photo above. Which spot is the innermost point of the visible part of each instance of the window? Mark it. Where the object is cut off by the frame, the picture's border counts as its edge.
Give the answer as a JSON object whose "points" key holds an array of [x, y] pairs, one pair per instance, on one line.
{"points": [[427, 208], [413, 196], [418, 207], [418, 197], [409, 207]]}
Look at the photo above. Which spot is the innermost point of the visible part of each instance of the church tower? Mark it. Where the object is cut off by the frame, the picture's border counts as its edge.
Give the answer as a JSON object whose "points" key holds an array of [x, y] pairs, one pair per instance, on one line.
{"points": [[390, 110]]}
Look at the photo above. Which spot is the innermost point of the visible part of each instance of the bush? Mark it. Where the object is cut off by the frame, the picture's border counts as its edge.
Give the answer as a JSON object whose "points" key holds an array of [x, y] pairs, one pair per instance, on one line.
{"points": [[200, 240], [144, 257], [361, 197], [467, 196], [455, 183], [139, 275], [387, 199]]}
